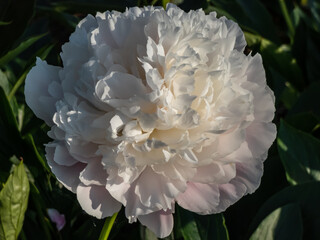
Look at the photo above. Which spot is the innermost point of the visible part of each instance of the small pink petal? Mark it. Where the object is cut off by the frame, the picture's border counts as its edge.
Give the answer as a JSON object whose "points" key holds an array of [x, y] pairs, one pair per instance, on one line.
{"points": [[57, 218]]}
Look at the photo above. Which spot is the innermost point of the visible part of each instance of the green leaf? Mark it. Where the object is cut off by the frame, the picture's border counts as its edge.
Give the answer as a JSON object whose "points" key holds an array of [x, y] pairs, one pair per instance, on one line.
{"points": [[283, 223], [28, 140], [307, 196], [212, 226], [306, 121], [4, 23], [193, 226], [15, 52], [299, 153], [249, 13], [289, 95], [4, 82], [7, 116], [280, 58], [19, 13], [309, 101], [188, 225], [13, 203], [89, 7]]}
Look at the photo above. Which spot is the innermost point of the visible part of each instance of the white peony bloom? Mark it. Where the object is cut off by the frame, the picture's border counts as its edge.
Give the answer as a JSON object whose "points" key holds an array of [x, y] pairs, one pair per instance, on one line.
{"points": [[154, 107]]}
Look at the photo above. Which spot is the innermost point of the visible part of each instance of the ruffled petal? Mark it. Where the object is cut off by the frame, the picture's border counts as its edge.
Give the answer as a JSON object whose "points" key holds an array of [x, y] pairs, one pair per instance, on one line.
{"points": [[67, 175], [42, 90], [97, 201], [200, 198], [260, 137], [94, 173], [160, 222]]}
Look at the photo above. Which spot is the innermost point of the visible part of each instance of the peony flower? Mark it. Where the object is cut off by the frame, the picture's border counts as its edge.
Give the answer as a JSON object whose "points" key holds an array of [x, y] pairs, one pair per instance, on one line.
{"points": [[57, 218], [155, 107]]}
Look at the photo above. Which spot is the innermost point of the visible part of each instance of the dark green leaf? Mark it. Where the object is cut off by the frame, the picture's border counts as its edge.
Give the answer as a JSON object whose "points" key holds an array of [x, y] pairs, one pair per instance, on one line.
{"points": [[4, 83], [15, 52], [309, 101], [249, 13], [305, 121], [306, 196], [188, 225], [19, 13], [34, 152], [7, 116], [289, 95], [280, 58], [299, 153], [13, 203], [283, 223], [193, 226], [89, 7], [212, 226], [4, 23]]}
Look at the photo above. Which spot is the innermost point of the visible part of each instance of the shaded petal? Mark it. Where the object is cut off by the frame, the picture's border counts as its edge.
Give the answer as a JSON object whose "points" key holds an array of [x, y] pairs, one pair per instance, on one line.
{"points": [[57, 218], [39, 97], [200, 198], [260, 137], [97, 201], [229, 194], [215, 173], [156, 190], [94, 173], [62, 156], [67, 175], [160, 222]]}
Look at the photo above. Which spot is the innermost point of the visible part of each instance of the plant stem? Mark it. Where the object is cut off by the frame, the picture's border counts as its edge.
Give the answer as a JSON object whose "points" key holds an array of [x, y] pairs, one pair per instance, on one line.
{"points": [[287, 18], [107, 227], [17, 85]]}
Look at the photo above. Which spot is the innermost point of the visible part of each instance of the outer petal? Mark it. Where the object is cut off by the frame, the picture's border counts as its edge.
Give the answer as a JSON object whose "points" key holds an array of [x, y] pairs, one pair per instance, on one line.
{"points": [[94, 173], [260, 137], [67, 175], [229, 194], [43, 90], [200, 198], [97, 201], [161, 222]]}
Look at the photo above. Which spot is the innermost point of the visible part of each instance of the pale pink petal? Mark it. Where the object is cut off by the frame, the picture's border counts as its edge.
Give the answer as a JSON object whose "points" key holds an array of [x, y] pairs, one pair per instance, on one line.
{"points": [[160, 222], [200, 198], [229, 194], [260, 137], [94, 174], [37, 92], [67, 175], [57, 218], [249, 169], [229, 142], [215, 173], [156, 190], [63, 157], [97, 201]]}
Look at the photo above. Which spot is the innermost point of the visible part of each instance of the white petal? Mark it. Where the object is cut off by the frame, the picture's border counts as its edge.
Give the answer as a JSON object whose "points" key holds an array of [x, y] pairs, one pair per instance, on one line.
{"points": [[215, 173], [37, 92], [160, 222], [156, 190], [229, 194], [67, 175], [62, 156], [97, 201], [200, 198], [112, 86], [260, 137], [94, 174]]}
